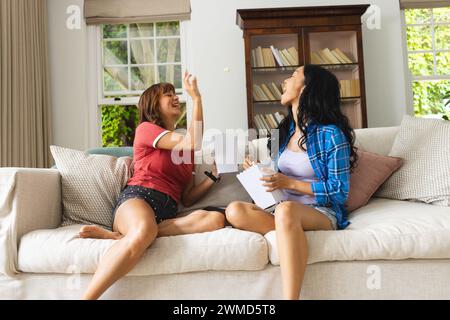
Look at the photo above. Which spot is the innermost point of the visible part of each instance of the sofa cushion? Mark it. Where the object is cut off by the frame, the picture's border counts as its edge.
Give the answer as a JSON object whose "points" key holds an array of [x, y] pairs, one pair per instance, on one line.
{"points": [[61, 251], [383, 229], [424, 145]]}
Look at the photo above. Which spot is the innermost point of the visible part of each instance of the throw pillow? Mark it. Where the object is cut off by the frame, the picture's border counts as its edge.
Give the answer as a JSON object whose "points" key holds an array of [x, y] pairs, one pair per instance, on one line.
{"points": [[90, 185], [372, 170], [424, 144]]}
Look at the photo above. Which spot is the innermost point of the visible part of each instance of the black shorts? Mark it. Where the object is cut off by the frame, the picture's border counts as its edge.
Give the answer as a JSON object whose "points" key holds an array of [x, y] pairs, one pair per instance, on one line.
{"points": [[165, 207]]}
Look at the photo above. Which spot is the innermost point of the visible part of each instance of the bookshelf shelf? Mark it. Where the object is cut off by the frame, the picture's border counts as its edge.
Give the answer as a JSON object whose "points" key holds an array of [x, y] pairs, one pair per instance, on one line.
{"points": [[267, 101], [279, 40], [275, 69]]}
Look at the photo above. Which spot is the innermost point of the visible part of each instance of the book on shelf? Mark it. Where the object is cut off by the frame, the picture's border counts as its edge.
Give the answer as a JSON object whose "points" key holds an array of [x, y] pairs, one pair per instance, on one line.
{"points": [[259, 57], [349, 88], [271, 57], [268, 121], [294, 54], [330, 56], [272, 124], [275, 91], [277, 56], [253, 62], [343, 56], [266, 92], [327, 56], [269, 60]]}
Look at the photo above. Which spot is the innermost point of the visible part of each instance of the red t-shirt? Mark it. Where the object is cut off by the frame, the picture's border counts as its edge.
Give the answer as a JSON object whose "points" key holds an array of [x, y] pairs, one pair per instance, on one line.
{"points": [[153, 167]]}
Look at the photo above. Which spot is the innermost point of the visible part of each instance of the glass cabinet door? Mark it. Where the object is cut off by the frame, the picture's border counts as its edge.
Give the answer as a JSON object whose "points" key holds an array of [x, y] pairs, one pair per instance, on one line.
{"points": [[273, 58], [337, 51]]}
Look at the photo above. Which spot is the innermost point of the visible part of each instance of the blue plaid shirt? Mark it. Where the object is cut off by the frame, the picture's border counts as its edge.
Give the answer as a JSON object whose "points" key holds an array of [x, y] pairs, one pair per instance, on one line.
{"points": [[329, 153]]}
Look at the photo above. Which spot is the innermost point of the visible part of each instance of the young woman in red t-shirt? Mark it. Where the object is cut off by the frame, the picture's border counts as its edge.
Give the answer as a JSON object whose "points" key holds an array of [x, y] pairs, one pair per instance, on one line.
{"points": [[147, 206]]}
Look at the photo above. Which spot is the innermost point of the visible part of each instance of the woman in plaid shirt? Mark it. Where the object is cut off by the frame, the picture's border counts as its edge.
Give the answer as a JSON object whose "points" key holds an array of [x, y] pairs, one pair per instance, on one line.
{"points": [[315, 155]]}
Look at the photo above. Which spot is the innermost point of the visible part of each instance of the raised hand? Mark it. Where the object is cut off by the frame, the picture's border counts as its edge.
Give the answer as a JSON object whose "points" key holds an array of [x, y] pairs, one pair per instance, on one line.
{"points": [[190, 84]]}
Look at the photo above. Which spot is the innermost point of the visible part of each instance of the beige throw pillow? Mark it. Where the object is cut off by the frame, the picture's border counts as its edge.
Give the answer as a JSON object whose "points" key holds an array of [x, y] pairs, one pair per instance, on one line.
{"points": [[90, 185], [424, 144]]}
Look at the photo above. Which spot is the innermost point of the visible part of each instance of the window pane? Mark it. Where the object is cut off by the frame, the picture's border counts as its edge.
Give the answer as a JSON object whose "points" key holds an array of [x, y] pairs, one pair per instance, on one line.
{"points": [[168, 29], [442, 37], [168, 50], [419, 38], [142, 77], [142, 51], [115, 52], [443, 63], [417, 16], [115, 78], [171, 74], [114, 31], [428, 96], [421, 64], [141, 30], [441, 14]]}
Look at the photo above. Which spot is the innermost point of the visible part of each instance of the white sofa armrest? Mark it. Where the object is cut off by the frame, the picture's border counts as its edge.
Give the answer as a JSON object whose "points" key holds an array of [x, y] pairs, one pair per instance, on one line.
{"points": [[30, 199]]}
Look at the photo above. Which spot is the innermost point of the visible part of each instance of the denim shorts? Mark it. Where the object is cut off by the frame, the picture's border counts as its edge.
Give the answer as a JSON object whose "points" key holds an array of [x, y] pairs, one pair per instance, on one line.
{"points": [[326, 211], [164, 206]]}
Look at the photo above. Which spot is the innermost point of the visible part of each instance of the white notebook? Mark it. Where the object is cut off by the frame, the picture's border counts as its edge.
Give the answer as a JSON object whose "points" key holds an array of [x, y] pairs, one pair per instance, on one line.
{"points": [[250, 180]]}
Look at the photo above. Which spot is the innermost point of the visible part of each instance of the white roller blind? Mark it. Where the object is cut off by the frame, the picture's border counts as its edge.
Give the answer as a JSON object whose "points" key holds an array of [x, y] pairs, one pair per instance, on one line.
{"points": [[411, 4], [133, 11]]}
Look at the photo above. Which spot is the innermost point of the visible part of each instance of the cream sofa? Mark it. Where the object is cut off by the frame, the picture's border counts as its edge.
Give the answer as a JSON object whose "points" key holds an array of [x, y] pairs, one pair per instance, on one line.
{"points": [[392, 250]]}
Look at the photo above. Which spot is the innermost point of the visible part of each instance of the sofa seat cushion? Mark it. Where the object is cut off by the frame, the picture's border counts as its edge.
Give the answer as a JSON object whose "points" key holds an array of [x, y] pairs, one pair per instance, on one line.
{"points": [[61, 251], [383, 229]]}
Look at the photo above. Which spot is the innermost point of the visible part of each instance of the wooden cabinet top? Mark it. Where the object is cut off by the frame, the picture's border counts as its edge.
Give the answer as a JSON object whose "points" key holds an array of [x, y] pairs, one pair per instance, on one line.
{"points": [[300, 16]]}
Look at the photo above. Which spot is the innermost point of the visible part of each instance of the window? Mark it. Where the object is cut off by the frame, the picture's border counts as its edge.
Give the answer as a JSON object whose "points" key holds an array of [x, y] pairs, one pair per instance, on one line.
{"points": [[133, 57], [428, 47]]}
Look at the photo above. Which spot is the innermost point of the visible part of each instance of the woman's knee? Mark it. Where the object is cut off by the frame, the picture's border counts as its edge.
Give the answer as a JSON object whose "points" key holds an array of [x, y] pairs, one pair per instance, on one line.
{"points": [[287, 217], [217, 220], [141, 236], [234, 212], [210, 220]]}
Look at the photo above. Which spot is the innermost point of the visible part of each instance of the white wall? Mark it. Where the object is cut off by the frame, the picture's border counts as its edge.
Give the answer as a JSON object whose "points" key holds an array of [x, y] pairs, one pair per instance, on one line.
{"points": [[68, 76], [215, 43]]}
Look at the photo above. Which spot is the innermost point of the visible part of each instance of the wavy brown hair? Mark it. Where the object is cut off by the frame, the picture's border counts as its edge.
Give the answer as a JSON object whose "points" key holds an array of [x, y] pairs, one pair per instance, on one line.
{"points": [[149, 103]]}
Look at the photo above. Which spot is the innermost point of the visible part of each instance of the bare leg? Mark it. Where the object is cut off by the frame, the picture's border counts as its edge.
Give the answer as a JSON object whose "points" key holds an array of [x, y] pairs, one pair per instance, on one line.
{"points": [[96, 232], [135, 219], [249, 217], [291, 220], [196, 222]]}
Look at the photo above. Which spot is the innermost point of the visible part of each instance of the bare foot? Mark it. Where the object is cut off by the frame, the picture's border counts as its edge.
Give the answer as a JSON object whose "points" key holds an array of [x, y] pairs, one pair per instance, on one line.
{"points": [[97, 232]]}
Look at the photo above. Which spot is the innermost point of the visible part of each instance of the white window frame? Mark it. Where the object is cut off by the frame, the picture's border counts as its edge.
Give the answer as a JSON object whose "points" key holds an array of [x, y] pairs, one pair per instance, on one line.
{"points": [[433, 50], [134, 100]]}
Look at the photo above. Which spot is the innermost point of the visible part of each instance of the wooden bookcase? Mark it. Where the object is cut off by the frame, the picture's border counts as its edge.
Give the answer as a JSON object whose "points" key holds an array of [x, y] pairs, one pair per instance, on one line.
{"points": [[310, 31]]}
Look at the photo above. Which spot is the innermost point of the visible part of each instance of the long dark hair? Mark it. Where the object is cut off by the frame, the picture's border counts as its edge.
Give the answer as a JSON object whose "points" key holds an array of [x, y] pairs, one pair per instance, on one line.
{"points": [[319, 103]]}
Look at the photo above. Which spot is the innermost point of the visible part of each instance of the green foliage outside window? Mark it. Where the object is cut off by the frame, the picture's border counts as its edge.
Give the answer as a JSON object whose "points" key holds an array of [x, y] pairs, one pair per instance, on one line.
{"points": [[119, 124], [427, 45]]}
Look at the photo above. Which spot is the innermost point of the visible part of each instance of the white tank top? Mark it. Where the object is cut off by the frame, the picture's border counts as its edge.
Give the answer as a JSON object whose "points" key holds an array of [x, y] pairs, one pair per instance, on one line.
{"points": [[296, 165]]}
